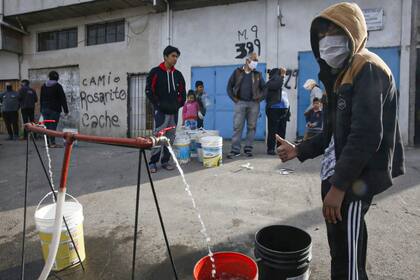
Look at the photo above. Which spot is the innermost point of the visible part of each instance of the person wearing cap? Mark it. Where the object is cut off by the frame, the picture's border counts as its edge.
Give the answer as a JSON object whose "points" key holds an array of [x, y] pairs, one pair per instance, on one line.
{"points": [[27, 99], [246, 89], [361, 142], [315, 92], [165, 88], [10, 108], [202, 100]]}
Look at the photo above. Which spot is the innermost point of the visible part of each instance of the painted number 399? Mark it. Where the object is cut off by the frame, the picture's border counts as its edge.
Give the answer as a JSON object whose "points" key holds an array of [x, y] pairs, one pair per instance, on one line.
{"points": [[245, 48]]}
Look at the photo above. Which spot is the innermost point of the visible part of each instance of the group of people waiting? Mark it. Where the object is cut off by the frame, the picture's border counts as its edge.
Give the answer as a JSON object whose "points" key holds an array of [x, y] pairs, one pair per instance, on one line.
{"points": [[246, 88], [52, 103]]}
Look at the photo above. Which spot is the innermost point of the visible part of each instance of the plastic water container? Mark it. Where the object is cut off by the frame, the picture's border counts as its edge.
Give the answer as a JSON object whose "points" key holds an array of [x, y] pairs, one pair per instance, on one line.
{"points": [[229, 265], [212, 150], [283, 252], [44, 221], [182, 148], [194, 137], [204, 133]]}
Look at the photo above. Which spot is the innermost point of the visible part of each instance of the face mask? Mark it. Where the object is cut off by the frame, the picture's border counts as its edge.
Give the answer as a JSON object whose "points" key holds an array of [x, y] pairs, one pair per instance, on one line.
{"points": [[334, 50], [253, 64]]}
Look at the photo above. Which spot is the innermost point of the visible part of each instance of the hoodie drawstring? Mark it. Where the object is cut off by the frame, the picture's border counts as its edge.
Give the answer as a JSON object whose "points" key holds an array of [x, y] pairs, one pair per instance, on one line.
{"points": [[169, 83], [173, 82]]}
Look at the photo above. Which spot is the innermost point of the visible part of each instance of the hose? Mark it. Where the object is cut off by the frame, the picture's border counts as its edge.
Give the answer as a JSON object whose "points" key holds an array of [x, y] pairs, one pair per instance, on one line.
{"points": [[53, 248]]}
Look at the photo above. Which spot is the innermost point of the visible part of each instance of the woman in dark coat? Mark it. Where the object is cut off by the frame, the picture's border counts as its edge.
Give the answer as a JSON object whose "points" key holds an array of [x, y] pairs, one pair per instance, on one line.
{"points": [[277, 108]]}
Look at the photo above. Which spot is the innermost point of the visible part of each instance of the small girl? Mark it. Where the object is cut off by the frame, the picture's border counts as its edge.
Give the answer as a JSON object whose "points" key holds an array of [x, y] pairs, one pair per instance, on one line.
{"points": [[190, 111]]}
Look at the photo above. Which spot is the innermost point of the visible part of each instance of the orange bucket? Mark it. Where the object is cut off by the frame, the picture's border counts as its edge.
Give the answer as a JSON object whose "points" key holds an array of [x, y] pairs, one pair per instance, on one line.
{"points": [[229, 266]]}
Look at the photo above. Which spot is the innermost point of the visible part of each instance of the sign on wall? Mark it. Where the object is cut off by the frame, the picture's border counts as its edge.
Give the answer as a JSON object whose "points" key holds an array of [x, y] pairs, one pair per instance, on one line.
{"points": [[248, 42], [99, 96], [374, 18]]}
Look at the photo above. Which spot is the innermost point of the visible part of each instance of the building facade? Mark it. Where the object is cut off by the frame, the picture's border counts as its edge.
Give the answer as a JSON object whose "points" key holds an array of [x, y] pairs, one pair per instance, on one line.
{"points": [[104, 49]]}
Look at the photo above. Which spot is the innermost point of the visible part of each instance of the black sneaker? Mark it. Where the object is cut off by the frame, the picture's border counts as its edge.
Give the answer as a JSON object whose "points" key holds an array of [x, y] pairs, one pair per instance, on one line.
{"points": [[152, 167], [271, 153], [248, 154], [233, 155], [167, 166]]}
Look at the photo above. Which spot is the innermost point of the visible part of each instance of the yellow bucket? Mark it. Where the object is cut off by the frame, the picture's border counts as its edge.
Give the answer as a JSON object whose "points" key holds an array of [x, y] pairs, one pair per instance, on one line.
{"points": [[44, 220], [212, 151]]}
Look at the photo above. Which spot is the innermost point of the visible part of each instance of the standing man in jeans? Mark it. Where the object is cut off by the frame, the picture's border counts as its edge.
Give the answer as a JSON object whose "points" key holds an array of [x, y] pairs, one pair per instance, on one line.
{"points": [[53, 102], [245, 88], [10, 108], [27, 99], [165, 89]]}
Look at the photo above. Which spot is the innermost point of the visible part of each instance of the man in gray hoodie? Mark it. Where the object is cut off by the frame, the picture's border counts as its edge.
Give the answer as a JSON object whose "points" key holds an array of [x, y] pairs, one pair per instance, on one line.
{"points": [[10, 108]]}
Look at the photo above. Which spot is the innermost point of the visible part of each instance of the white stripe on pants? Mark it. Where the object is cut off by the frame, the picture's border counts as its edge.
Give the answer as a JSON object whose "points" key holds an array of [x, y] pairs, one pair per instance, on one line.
{"points": [[353, 228]]}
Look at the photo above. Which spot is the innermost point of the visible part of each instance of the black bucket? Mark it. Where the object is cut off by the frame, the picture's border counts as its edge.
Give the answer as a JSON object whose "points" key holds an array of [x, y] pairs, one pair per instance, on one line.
{"points": [[283, 252]]}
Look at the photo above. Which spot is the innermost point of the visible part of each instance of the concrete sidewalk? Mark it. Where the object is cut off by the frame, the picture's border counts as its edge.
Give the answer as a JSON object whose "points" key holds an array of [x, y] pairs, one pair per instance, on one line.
{"points": [[234, 203]]}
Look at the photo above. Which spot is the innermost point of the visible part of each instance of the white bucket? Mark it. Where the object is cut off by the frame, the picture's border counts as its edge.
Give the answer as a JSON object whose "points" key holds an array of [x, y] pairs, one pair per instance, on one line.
{"points": [[44, 221], [71, 130], [212, 150], [194, 137], [205, 133], [182, 148]]}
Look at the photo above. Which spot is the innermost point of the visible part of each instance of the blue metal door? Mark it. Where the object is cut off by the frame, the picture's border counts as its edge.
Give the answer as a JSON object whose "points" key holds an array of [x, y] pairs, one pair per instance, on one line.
{"points": [[220, 114], [309, 68]]}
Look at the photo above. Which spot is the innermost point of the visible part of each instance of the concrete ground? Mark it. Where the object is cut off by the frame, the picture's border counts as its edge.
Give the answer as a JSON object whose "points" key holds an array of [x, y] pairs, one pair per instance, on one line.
{"points": [[234, 204]]}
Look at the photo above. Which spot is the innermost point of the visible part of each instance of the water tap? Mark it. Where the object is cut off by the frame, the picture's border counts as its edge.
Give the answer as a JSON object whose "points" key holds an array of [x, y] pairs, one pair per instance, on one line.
{"points": [[160, 138], [164, 131]]}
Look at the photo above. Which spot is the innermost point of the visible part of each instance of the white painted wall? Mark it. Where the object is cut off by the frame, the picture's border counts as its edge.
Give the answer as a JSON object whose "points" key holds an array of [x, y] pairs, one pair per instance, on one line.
{"points": [[113, 61], [9, 66], [206, 37]]}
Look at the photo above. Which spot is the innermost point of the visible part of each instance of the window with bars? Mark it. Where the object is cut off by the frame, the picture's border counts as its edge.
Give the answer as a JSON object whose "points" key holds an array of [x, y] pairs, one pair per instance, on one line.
{"points": [[140, 110], [58, 39], [104, 33]]}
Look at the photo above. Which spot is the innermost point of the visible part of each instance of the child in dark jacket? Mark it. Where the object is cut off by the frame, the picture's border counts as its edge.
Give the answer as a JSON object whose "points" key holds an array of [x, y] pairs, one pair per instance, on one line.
{"points": [[314, 119], [190, 111]]}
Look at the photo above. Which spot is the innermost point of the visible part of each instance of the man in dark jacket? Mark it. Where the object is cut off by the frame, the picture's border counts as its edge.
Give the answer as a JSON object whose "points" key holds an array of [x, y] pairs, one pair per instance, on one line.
{"points": [[246, 89], [165, 89], [10, 108], [361, 140], [276, 108], [202, 102], [27, 99], [53, 102]]}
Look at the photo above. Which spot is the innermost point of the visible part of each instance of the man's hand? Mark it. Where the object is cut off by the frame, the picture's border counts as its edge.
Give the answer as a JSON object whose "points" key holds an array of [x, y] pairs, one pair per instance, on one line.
{"points": [[282, 71], [332, 205], [236, 100], [286, 150], [200, 115]]}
